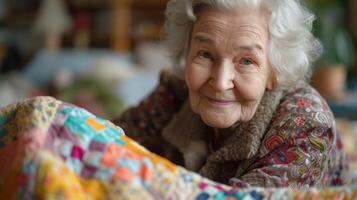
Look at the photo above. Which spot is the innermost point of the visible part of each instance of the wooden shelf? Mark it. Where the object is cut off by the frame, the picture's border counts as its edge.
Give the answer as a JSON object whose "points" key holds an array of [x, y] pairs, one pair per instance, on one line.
{"points": [[116, 24], [131, 17]]}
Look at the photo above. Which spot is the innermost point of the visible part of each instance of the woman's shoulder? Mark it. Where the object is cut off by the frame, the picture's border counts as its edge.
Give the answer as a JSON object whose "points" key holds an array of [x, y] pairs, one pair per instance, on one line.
{"points": [[302, 112], [303, 99], [173, 83], [303, 135]]}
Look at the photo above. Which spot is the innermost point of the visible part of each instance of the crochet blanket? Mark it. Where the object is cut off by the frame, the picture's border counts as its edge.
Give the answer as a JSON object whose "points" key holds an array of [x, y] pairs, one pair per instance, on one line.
{"points": [[54, 150]]}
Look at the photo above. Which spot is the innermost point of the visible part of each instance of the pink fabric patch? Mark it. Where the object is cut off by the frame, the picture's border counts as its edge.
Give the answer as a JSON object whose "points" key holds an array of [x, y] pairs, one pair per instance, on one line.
{"points": [[77, 152], [26, 146], [202, 185]]}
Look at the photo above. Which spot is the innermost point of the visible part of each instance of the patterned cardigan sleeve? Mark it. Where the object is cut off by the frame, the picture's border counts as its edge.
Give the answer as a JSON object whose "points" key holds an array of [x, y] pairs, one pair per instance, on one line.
{"points": [[144, 123], [301, 149]]}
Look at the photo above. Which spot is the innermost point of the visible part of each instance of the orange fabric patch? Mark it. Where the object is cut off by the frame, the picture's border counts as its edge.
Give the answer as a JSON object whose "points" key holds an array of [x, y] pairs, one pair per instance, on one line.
{"points": [[95, 124], [111, 155], [131, 145], [133, 155], [169, 165], [145, 173], [124, 174]]}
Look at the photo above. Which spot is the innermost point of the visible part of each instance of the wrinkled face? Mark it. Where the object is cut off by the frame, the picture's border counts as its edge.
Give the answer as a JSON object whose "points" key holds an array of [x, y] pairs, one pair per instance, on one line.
{"points": [[227, 67]]}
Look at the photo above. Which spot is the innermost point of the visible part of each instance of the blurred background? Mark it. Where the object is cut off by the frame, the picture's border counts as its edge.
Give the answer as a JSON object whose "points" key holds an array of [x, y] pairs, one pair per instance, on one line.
{"points": [[105, 55]]}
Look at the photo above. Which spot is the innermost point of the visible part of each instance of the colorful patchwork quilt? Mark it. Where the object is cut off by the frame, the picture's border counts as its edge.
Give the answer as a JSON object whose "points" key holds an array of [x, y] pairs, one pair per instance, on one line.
{"points": [[54, 150]]}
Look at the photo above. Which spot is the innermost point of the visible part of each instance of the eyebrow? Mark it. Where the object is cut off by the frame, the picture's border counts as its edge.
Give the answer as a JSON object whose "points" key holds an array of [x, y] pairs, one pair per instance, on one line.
{"points": [[205, 38], [250, 48]]}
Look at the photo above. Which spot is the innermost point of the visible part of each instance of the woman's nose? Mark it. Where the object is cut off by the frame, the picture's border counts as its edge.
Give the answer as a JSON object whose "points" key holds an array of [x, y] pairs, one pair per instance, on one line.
{"points": [[222, 76]]}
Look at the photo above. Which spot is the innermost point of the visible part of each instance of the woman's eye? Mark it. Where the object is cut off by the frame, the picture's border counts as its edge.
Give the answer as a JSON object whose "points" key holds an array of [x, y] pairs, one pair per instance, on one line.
{"points": [[246, 61], [204, 55]]}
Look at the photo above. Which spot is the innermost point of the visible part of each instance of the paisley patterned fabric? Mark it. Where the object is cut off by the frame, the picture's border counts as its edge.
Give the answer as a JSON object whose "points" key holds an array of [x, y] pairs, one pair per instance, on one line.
{"points": [[304, 133], [300, 148], [53, 150]]}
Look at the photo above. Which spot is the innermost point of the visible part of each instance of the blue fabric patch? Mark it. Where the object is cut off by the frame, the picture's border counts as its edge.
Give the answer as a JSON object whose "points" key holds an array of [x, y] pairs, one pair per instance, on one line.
{"points": [[202, 196], [66, 149], [148, 163], [220, 196], [104, 174], [75, 112], [93, 159], [78, 126], [74, 164], [239, 195], [3, 121], [256, 195], [133, 165]]}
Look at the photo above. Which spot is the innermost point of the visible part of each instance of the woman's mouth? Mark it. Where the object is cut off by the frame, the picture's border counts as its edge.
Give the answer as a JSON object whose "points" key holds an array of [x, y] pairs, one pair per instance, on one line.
{"points": [[220, 102]]}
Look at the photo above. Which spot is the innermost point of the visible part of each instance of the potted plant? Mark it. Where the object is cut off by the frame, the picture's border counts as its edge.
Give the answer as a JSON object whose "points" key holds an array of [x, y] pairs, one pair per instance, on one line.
{"points": [[330, 72]]}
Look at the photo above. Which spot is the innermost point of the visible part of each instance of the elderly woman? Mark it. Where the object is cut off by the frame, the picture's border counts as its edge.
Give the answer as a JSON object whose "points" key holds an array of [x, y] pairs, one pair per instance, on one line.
{"points": [[240, 111]]}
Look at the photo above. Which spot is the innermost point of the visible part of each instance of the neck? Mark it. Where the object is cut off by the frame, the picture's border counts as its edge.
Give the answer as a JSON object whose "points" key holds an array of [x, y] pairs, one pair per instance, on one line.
{"points": [[220, 137]]}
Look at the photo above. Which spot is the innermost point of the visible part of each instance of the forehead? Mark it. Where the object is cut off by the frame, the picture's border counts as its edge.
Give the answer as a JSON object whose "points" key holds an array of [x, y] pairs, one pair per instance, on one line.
{"points": [[232, 21]]}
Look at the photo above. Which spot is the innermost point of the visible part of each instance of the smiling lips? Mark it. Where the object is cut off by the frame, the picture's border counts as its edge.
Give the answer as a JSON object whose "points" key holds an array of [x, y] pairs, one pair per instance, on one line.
{"points": [[220, 102]]}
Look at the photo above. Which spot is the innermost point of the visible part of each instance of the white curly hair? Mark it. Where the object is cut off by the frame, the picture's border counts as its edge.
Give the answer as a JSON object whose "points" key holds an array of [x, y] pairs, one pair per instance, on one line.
{"points": [[292, 47]]}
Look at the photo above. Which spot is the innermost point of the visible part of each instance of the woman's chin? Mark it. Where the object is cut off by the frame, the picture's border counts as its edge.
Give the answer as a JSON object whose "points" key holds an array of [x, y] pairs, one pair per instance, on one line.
{"points": [[218, 122], [224, 120]]}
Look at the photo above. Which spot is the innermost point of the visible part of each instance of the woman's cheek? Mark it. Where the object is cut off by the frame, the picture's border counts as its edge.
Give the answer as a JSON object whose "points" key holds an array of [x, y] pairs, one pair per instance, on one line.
{"points": [[196, 74], [250, 90], [194, 101]]}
